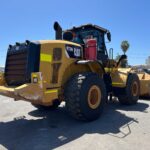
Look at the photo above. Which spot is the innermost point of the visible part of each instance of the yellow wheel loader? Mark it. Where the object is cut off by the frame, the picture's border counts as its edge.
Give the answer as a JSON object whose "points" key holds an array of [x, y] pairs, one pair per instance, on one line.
{"points": [[74, 68], [144, 77]]}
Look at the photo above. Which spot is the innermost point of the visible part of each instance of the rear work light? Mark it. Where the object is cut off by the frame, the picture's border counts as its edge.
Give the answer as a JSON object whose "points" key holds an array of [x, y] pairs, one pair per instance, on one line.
{"points": [[35, 80], [36, 77]]}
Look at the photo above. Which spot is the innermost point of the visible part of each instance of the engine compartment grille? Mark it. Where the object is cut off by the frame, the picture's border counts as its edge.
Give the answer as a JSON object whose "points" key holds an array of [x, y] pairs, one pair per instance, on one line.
{"points": [[21, 61]]}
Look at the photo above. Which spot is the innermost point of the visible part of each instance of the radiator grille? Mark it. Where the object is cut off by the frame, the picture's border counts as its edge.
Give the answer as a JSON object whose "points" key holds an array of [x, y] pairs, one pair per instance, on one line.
{"points": [[21, 61], [16, 67]]}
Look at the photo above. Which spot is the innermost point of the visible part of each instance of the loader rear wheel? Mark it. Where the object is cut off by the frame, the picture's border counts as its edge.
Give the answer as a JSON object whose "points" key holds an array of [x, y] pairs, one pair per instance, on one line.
{"points": [[131, 93], [55, 105], [85, 96]]}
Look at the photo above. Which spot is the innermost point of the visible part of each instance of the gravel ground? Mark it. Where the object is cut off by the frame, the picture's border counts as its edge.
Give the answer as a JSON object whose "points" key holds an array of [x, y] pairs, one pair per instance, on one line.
{"points": [[23, 127]]}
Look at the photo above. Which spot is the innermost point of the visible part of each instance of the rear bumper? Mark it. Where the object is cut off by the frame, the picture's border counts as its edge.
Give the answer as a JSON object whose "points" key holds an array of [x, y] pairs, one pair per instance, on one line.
{"points": [[33, 93]]}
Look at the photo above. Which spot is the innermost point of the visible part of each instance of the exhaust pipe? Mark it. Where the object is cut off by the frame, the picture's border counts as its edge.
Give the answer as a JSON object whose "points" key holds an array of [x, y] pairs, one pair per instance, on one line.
{"points": [[58, 31]]}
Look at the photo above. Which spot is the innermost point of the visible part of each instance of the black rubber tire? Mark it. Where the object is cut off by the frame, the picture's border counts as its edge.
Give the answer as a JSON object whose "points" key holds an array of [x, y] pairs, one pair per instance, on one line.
{"points": [[55, 105], [76, 92], [127, 97]]}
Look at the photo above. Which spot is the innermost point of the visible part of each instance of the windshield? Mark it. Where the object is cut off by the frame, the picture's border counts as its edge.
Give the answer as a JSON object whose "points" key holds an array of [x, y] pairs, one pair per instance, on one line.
{"points": [[90, 34]]}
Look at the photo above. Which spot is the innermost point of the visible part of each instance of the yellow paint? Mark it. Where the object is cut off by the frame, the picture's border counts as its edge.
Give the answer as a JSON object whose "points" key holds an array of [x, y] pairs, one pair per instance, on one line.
{"points": [[22, 86], [2, 79], [34, 75], [51, 91], [57, 42], [111, 69], [46, 57], [117, 83], [6, 89], [94, 97], [40, 82]]}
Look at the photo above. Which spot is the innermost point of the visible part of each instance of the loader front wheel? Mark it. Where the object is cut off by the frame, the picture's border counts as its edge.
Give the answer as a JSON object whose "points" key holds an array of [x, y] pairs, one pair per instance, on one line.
{"points": [[131, 93], [85, 96]]}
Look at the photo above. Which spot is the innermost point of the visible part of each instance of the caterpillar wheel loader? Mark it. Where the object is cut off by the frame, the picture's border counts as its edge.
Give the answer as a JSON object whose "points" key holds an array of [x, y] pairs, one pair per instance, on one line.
{"points": [[144, 77], [74, 68]]}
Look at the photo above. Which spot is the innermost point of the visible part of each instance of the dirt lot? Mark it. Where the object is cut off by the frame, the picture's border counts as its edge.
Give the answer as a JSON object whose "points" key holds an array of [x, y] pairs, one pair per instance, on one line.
{"points": [[23, 127]]}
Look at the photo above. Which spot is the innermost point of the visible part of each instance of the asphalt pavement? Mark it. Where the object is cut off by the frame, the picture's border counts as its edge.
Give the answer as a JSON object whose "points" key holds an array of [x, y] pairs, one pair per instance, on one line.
{"points": [[23, 127]]}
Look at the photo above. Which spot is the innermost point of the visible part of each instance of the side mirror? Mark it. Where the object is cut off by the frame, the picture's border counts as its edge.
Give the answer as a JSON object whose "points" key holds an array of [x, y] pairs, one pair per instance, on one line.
{"points": [[109, 36], [68, 36]]}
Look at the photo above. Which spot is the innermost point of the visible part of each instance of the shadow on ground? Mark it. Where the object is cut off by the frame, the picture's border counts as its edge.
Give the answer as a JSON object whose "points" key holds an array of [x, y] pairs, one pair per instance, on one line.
{"points": [[52, 129], [145, 98]]}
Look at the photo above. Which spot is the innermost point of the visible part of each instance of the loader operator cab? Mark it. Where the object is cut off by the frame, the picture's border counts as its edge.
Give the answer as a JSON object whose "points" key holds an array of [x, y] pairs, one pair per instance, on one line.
{"points": [[88, 34]]}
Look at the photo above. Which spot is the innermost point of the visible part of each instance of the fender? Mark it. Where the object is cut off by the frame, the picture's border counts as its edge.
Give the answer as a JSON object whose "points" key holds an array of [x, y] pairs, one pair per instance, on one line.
{"points": [[120, 76], [95, 66]]}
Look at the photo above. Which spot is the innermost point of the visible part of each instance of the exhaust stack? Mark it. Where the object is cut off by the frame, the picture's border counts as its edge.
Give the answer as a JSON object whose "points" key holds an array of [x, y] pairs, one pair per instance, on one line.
{"points": [[58, 31]]}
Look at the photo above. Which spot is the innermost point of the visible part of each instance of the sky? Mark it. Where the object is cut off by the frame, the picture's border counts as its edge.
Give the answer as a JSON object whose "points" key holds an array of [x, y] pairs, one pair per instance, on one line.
{"points": [[33, 20]]}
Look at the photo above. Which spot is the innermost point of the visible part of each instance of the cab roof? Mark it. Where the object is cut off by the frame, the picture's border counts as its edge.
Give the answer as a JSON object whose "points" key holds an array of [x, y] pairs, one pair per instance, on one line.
{"points": [[89, 26]]}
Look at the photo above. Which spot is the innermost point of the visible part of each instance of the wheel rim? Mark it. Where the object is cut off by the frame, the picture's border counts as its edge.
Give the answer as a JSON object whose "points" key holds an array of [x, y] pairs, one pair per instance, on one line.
{"points": [[134, 88], [94, 97]]}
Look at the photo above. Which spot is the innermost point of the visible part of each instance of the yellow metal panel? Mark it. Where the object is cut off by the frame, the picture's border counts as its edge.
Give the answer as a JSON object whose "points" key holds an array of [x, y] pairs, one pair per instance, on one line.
{"points": [[34, 75], [5, 89], [46, 57], [117, 83], [22, 86], [119, 77], [51, 91], [145, 88], [2, 80], [57, 42]]}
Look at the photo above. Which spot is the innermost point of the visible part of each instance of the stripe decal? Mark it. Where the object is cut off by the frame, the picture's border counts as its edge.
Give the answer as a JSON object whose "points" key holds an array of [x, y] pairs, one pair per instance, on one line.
{"points": [[51, 91], [117, 83], [46, 57]]}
